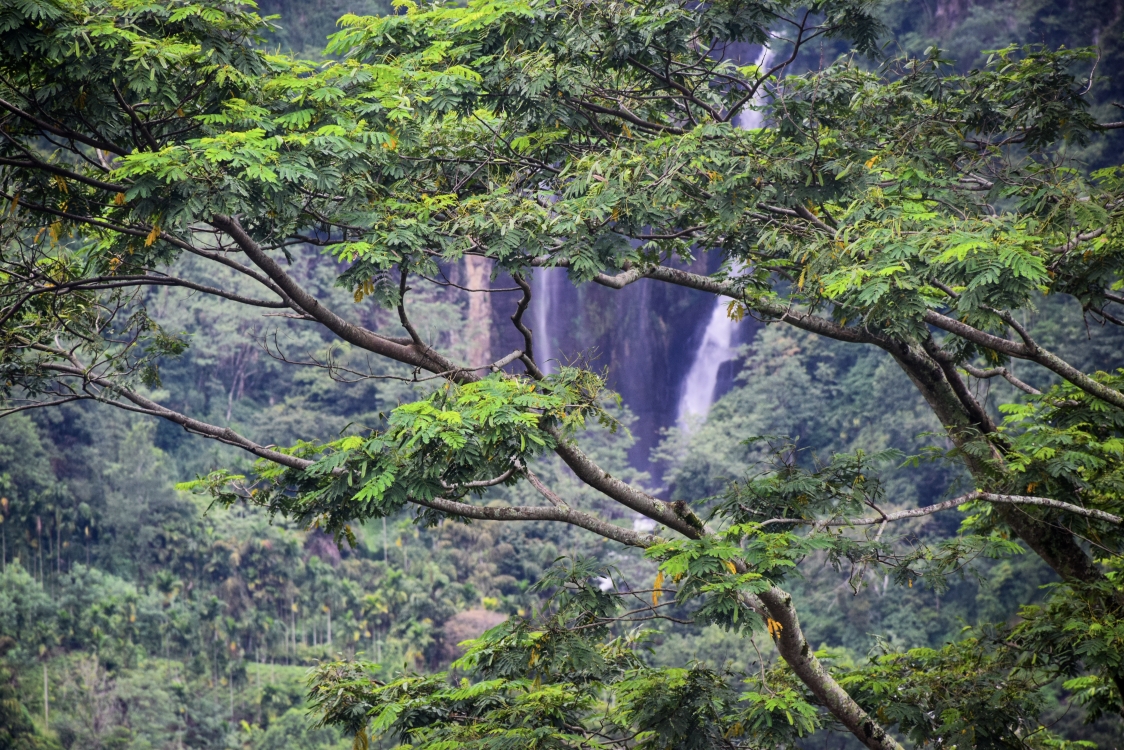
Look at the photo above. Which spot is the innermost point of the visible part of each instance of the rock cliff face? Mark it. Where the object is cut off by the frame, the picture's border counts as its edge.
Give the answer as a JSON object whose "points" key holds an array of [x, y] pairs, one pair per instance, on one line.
{"points": [[646, 336], [477, 273]]}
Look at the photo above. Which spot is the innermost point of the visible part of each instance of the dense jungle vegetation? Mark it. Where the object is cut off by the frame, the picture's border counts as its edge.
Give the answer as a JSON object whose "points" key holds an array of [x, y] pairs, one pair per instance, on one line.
{"points": [[141, 609]]}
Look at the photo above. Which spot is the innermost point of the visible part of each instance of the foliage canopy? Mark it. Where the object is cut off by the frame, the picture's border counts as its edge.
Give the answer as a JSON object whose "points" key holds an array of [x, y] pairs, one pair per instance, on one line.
{"points": [[902, 206]]}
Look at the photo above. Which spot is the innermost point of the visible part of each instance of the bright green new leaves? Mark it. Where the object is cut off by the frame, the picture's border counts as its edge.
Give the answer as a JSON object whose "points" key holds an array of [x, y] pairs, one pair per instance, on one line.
{"points": [[453, 444], [1070, 445], [915, 227], [971, 693], [722, 570], [708, 570], [561, 680], [544, 133], [899, 265]]}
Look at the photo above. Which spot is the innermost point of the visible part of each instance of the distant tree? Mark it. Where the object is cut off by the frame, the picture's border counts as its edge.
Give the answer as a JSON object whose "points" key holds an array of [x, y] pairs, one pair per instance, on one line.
{"points": [[27, 632], [17, 730], [906, 208]]}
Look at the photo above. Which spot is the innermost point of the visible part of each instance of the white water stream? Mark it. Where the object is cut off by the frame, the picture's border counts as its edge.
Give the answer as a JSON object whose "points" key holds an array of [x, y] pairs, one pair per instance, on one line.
{"points": [[702, 379], [545, 287], [717, 348]]}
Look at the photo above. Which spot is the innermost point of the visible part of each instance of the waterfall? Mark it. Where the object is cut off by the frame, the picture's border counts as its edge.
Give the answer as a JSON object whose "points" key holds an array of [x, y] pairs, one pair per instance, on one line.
{"points": [[749, 118], [544, 302], [716, 348]]}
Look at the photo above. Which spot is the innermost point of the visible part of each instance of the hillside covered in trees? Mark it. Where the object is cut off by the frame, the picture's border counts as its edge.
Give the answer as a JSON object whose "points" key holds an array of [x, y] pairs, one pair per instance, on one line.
{"points": [[159, 590]]}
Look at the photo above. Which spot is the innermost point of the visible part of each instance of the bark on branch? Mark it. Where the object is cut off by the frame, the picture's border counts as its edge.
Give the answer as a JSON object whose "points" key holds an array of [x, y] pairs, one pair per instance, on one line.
{"points": [[353, 334], [542, 513], [1004, 373], [148, 406], [1027, 350], [928, 510]]}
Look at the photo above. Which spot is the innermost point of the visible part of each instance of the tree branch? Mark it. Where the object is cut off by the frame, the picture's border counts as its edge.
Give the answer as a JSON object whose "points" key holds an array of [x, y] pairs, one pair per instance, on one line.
{"points": [[70, 135], [33, 163], [305, 302], [481, 482], [990, 497], [541, 513], [794, 647], [667, 80], [677, 517], [115, 282], [148, 406], [528, 357], [1003, 372], [1027, 350], [782, 313]]}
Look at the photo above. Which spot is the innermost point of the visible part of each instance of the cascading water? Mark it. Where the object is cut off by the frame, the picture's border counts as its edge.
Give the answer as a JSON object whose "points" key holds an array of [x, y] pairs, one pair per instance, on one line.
{"points": [[702, 378], [544, 300], [697, 394]]}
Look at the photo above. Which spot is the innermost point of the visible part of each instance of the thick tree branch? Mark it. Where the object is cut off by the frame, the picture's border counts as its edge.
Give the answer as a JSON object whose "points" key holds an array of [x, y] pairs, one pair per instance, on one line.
{"points": [[542, 513], [975, 335], [148, 406], [782, 313], [1055, 545], [353, 334], [1027, 350], [676, 517], [975, 410], [798, 653], [1004, 373]]}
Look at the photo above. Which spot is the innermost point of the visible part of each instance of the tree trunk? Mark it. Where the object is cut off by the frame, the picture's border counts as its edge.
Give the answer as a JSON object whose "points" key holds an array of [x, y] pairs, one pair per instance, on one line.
{"points": [[966, 422]]}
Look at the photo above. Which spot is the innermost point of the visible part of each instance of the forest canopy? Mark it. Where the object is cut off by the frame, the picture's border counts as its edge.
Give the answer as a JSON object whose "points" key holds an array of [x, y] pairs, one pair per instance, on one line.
{"points": [[868, 208]]}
